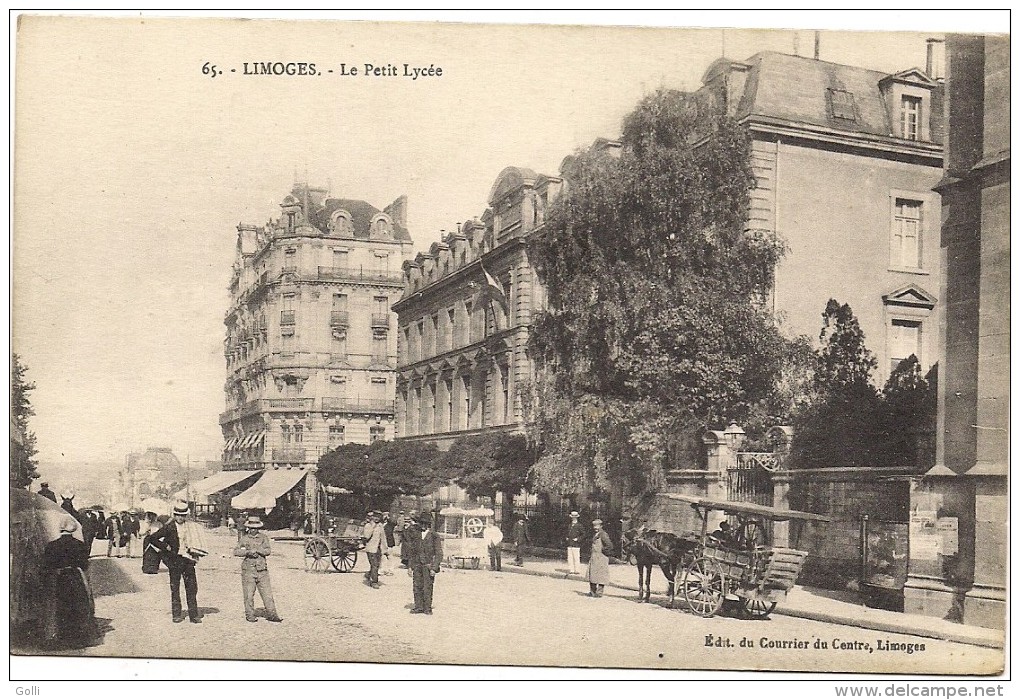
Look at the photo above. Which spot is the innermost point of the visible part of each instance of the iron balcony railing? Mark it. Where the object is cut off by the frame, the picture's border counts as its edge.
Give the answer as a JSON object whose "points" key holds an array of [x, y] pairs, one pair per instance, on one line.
{"points": [[380, 320], [357, 405], [288, 454], [339, 319], [286, 318], [360, 275], [290, 404]]}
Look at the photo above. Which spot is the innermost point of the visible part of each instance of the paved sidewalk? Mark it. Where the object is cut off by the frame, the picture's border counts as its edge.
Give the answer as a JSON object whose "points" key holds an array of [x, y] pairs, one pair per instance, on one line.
{"points": [[804, 602]]}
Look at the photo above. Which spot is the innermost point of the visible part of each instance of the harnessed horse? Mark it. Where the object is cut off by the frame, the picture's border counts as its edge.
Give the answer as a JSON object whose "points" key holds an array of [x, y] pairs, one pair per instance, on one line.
{"points": [[653, 548]]}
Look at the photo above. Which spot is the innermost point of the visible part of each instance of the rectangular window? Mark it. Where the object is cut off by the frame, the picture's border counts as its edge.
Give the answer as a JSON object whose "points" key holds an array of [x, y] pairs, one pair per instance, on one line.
{"points": [[449, 404], [904, 341], [289, 260], [420, 412], [380, 353], [420, 346], [469, 331], [376, 433], [299, 432], [435, 408], [339, 259], [435, 334], [465, 420], [451, 329], [505, 379], [285, 430], [336, 435], [906, 234], [910, 117]]}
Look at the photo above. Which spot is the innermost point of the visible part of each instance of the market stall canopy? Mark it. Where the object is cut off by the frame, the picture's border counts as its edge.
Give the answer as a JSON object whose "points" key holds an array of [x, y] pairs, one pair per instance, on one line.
{"points": [[214, 483], [271, 485], [737, 507]]}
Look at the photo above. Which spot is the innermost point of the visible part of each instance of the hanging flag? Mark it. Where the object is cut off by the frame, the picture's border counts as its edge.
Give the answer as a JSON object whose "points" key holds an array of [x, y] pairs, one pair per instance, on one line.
{"points": [[495, 289]]}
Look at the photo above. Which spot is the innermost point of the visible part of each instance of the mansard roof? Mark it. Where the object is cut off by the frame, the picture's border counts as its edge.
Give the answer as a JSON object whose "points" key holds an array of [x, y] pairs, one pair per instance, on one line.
{"points": [[800, 90]]}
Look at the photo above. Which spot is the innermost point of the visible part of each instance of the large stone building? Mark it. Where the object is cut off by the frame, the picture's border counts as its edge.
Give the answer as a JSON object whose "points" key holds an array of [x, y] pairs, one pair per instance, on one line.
{"points": [[464, 319], [960, 510], [845, 159], [155, 473], [310, 346]]}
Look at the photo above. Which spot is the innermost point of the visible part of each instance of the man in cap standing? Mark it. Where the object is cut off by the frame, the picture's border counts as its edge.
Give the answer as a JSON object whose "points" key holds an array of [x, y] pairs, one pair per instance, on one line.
{"points": [[574, 534], [172, 541], [254, 547], [375, 547], [426, 556], [520, 538]]}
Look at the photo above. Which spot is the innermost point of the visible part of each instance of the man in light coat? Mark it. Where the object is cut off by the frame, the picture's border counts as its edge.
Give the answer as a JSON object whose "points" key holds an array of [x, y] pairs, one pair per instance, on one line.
{"points": [[254, 547], [375, 547], [574, 534]]}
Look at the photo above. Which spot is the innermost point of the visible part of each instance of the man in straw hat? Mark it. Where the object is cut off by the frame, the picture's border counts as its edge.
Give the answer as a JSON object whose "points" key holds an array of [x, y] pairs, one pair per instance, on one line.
{"points": [[173, 541], [574, 534], [254, 547]]}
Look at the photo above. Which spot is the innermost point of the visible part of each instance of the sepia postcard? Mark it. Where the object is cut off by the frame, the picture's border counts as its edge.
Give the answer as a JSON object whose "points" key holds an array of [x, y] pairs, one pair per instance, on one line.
{"points": [[489, 349]]}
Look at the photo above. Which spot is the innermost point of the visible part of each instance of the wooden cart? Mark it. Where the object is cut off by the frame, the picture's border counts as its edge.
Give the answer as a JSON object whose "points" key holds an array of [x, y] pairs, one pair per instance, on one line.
{"points": [[745, 567], [338, 548]]}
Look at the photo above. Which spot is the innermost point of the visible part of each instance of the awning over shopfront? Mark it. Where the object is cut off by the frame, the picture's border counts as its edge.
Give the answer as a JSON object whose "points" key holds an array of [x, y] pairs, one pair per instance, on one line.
{"points": [[214, 483], [271, 485]]}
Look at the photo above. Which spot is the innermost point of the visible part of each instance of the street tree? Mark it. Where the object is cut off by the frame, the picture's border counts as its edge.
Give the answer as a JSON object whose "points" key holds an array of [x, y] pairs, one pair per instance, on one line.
{"points": [[384, 469], [656, 321], [22, 440], [485, 464], [839, 424]]}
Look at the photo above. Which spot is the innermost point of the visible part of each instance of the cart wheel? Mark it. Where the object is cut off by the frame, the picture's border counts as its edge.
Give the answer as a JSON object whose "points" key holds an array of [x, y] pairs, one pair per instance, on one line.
{"points": [[316, 555], [750, 535], [704, 587], [756, 609], [474, 526], [344, 560]]}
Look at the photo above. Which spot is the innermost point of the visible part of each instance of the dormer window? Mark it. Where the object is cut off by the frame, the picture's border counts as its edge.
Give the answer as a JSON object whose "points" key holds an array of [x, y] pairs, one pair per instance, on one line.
{"points": [[910, 117]]}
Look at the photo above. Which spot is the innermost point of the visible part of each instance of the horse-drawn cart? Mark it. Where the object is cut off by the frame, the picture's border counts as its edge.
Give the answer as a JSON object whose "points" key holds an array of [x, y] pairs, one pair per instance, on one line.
{"points": [[742, 567], [337, 548]]}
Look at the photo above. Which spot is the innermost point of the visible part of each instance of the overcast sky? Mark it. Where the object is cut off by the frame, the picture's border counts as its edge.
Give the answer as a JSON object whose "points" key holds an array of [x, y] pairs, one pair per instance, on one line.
{"points": [[133, 170]]}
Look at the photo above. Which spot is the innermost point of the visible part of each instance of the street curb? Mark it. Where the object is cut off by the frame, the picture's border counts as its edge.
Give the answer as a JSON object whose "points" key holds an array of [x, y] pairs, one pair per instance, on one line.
{"points": [[877, 625]]}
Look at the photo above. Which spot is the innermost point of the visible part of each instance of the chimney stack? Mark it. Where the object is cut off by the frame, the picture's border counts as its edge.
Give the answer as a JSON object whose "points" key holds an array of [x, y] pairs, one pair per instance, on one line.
{"points": [[398, 211], [936, 55]]}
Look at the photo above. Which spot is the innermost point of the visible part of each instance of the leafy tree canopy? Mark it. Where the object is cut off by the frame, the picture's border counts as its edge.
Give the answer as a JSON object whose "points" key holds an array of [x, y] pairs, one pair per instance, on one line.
{"points": [[384, 469], [847, 421], [22, 458], [484, 464], [655, 291]]}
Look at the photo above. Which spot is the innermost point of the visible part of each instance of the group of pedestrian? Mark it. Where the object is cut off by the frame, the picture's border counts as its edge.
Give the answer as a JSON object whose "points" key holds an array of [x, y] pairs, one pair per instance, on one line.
{"points": [[122, 530], [598, 564]]}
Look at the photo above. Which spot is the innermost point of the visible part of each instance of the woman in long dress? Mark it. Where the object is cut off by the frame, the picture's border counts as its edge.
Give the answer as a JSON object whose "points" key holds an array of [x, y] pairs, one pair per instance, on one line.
{"points": [[72, 621], [598, 565]]}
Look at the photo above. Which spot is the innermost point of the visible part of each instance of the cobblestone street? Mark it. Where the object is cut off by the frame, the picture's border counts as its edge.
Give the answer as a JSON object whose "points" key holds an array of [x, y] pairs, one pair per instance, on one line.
{"points": [[481, 618]]}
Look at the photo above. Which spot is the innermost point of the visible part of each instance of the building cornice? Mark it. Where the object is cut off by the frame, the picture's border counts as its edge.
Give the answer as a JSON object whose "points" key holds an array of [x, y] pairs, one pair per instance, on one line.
{"points": [[510, 245], [839, 137]]}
